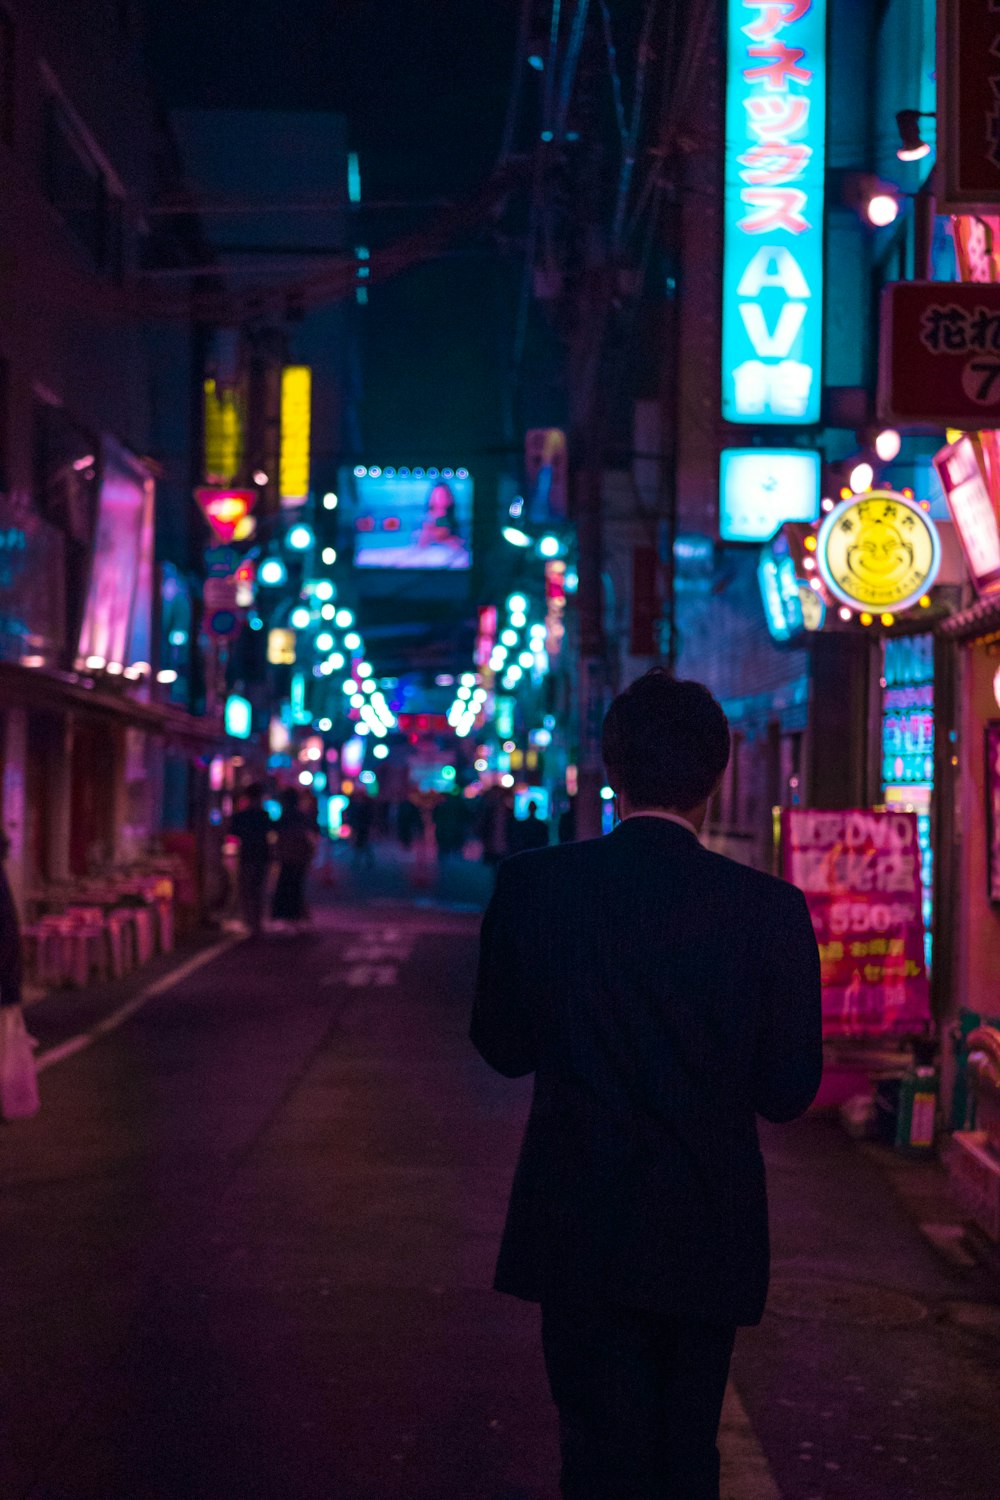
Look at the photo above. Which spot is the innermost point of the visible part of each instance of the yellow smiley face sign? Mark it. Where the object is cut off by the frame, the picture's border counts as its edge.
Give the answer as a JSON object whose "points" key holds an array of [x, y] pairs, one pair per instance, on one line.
{"points": [[879, 551]]}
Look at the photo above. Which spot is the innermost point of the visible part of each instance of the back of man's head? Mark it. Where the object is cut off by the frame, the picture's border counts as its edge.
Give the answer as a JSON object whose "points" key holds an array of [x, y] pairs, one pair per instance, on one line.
{"points": [[665, 743]]}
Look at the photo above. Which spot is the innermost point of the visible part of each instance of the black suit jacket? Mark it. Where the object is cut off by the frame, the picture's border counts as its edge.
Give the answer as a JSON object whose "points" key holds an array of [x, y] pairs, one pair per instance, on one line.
{"points": [[663, 996]]}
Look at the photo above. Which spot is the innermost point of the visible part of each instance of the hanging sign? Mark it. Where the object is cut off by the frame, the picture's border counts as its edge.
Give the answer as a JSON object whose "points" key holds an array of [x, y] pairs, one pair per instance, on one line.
{"points": [[860, 873], [963, 476], [939, 354], [772, 309], [224, 508], [878, 551], [968, 159]]}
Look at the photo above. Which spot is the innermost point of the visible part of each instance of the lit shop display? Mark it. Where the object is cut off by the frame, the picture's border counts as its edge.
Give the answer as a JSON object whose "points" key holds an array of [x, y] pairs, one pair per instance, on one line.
{"points": [[908, 745], [859, 870], [772, 312]]}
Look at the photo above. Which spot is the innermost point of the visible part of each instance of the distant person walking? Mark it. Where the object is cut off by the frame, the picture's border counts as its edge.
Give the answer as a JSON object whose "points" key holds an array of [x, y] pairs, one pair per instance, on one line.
{"points": [[361, 820], [252, 826], [494, 825], [409, 822], [531, 832], [294, 849], [567, 823], [663, 996]]}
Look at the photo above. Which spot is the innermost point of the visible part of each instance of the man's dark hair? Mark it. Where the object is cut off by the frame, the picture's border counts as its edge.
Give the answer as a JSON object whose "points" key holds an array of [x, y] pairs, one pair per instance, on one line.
{"points": [[665, 743]]}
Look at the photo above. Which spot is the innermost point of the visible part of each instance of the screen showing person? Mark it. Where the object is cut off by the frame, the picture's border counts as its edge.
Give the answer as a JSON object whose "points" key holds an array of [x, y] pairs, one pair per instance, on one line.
{"points": [[414, 521]]}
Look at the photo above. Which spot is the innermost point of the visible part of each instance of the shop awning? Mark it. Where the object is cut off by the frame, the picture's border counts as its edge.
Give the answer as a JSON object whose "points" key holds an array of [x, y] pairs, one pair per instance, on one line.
{"points": [[39, 688], [981, 621]]}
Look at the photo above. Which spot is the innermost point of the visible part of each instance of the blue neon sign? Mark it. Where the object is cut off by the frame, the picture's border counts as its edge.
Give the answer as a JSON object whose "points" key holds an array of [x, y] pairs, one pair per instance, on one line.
{"points": [[772, 312]]}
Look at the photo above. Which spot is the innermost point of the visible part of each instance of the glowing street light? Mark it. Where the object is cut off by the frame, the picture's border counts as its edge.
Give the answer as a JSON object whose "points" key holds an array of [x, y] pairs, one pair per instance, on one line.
{"points": [[300, 537]]}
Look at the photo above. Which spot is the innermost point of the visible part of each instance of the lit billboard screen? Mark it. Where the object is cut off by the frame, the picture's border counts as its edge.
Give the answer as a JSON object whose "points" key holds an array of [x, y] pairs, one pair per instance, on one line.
{"points": [[413, 518]]}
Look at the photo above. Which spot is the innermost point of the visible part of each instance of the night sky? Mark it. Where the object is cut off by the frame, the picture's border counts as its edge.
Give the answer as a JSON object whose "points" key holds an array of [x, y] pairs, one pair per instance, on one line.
{"points": [[424, 83]]}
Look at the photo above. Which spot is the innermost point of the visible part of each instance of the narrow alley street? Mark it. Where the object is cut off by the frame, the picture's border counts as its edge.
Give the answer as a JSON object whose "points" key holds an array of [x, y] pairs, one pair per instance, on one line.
{"points": [[248, 1246]]}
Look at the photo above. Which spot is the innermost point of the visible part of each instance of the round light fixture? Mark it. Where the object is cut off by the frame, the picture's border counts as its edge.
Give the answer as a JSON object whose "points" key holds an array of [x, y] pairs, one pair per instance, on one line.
{"points": [[862, 477], [887, 444]]}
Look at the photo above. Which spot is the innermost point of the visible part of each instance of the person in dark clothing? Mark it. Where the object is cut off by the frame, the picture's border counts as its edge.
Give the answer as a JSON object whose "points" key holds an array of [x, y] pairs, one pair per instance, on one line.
{"points": [[294, 848], [11, 972], [360, 820], [252, 825], [531, 832], [409, 822], [567, 823], [663, 996]]}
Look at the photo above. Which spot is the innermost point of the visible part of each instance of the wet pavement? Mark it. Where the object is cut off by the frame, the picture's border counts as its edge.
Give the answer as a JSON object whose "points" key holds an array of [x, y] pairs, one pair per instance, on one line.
{"points": [[247, 1250]]}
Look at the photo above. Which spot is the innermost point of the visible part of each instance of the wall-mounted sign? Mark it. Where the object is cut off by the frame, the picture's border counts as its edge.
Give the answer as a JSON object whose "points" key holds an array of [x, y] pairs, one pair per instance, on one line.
{"points": [[879, 552], [977, 247], [939, 354], [993, 808], [296, 424], [762, 487], [223, 420], [281, 648], [224, 508], [772, 311], [546, 472], [860, 873], [968, 161], [963, 476], [238, 717]]}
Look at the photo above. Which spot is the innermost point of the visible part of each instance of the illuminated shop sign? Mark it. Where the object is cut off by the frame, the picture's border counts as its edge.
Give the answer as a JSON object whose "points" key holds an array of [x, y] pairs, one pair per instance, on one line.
{"points": [[963, 478], [760, 488], [772, 317], [223, 433], [239, 717], [791, 604], [225, 509], [296, 422], [908, 747], [879, 551]]}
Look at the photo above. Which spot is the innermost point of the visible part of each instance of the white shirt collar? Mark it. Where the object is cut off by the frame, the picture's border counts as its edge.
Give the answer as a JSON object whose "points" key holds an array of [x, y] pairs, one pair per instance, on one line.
{"points": [[668, 817]]}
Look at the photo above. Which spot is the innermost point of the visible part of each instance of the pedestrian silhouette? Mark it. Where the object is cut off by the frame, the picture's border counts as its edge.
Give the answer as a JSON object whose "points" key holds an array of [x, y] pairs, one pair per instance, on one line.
{"points": [[294, 847], [662, 996], [252, 826]]}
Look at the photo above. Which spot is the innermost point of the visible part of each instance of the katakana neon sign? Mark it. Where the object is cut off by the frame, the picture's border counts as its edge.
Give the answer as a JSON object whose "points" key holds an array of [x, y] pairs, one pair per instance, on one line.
{"points": [[772, 317]]}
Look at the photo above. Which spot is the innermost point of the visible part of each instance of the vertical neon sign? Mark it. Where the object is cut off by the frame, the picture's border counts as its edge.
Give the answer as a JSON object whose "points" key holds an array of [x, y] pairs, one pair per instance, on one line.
{"points": [[772, 314]]}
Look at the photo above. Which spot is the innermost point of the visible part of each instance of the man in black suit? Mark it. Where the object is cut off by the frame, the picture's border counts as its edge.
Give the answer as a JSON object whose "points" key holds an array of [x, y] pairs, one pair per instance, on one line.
{"points": [[663, 996]]}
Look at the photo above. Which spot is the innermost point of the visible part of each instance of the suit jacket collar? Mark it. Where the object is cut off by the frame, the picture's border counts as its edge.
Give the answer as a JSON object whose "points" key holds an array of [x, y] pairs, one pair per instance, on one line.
{"points": [[640, 828]]}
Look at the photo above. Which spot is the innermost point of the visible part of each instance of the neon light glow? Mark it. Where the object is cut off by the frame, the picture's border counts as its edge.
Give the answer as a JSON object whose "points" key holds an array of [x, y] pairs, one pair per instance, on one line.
{"points": [[772, 321], [239, 717]]}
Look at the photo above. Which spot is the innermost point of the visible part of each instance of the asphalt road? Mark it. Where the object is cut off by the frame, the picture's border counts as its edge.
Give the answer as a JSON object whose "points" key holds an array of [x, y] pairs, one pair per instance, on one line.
{"points": [[246, 1251]]}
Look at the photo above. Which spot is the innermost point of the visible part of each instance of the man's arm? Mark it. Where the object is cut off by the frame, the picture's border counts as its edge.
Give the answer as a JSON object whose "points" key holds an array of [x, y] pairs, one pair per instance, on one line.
{"points": [[502, 1029], [789, 1061]]}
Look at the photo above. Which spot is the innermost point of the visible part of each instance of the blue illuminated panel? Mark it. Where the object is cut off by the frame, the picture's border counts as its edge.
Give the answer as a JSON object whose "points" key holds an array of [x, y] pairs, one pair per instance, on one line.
{"points": [[761, 488], [772, 315]]}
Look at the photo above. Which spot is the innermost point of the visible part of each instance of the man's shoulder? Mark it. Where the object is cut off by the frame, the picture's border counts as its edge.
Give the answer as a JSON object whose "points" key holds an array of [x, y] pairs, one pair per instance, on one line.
{"points": [[551, 861], [752, 884]]}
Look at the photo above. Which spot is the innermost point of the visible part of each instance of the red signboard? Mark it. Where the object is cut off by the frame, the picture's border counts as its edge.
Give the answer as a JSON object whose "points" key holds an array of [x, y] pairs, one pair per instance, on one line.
{"points": [[965, 481], [224, 508], [968, 104], [860, 872], [939, 356]]}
